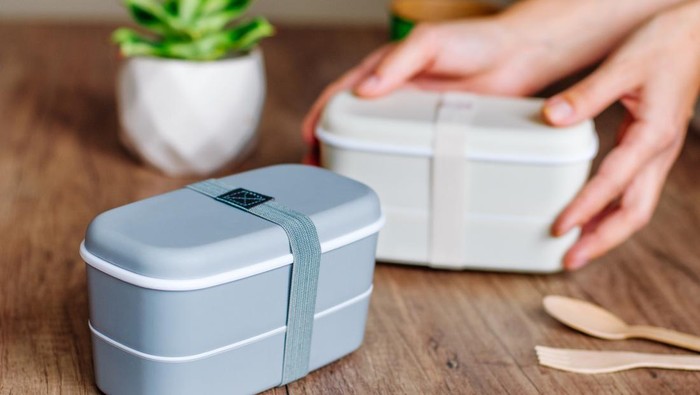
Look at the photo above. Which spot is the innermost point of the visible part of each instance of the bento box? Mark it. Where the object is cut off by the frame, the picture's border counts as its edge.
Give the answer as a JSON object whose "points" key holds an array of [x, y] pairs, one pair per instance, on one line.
{"points": [[231, 286], [465, 181]]}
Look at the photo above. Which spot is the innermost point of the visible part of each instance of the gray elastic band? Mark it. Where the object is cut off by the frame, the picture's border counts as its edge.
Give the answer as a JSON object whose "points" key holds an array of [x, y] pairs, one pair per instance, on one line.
{"points": [[306, 253]]}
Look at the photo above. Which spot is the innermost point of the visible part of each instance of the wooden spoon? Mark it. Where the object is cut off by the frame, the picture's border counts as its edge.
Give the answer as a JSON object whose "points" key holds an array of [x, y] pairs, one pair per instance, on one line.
{"points": [[598, 322]]}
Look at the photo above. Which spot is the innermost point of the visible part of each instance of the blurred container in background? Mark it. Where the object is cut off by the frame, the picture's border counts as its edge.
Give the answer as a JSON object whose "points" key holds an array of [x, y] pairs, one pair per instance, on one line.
{"points": [[405, 14]]}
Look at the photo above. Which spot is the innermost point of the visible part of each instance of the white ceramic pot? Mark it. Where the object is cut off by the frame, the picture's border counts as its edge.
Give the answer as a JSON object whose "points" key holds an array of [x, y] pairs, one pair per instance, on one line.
{"points": [[187, 117]]}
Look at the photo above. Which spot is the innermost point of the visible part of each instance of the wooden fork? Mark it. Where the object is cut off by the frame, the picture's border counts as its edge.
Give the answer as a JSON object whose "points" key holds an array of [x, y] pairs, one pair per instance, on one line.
{"points": [[594, 362]]}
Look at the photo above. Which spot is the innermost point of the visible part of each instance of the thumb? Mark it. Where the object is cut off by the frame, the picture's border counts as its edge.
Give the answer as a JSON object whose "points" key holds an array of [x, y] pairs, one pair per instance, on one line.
{"points": [[407, 59], [589, 97]]}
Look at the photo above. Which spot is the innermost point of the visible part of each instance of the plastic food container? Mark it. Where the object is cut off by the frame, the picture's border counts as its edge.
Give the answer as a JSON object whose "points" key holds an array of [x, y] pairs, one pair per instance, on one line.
{"points": [[465, 181], [405, 14], [189, 295]]}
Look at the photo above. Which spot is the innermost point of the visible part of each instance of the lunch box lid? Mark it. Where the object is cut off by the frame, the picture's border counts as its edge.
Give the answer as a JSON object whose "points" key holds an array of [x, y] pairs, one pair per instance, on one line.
{"points": [[498, 128], [185, 235]]}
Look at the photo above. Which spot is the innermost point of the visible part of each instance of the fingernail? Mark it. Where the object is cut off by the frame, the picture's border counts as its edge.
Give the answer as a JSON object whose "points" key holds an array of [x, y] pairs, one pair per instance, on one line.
{"points": [[555, 231], [563, 229], [370, 84], [558, 110]]}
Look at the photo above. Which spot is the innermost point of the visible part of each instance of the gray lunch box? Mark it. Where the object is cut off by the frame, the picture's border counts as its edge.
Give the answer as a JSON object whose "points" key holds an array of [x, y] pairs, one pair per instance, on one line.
{"points": [[190, 296]]}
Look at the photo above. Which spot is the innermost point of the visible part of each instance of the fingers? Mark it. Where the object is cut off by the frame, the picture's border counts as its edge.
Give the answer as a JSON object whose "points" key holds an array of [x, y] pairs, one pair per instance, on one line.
{"points": [[409, 58], [480, 84], [308, 125], [592, 95], [615, 174], [656, 129], [441, 84], [631, 177], [347, 81], [614, 225]]}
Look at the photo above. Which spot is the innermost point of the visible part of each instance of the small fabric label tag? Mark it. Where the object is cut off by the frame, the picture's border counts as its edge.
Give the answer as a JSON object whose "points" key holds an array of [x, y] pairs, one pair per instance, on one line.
{"points": [[244, 198]]}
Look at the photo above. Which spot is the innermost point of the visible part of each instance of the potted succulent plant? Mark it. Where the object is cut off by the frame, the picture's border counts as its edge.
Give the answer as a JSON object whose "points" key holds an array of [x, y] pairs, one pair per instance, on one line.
{"points": [[192, 88]]}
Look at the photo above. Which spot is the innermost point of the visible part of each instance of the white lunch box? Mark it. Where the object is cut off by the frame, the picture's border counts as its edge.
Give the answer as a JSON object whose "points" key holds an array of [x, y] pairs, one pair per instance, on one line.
{"points": [[465, 181]]}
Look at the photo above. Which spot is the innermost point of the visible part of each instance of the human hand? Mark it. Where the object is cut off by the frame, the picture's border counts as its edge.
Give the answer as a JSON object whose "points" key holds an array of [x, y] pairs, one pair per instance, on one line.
{"points": [[443, 54], [656, 76], [518, 52]]}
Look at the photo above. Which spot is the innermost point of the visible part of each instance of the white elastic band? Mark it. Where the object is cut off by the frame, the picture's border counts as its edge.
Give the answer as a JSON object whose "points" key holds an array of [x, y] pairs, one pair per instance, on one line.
{"points": [[448, 181]]}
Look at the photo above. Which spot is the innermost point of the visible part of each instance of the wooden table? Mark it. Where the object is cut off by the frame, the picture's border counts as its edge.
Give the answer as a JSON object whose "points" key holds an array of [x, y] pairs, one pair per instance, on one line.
{"points": [[428, 332]]}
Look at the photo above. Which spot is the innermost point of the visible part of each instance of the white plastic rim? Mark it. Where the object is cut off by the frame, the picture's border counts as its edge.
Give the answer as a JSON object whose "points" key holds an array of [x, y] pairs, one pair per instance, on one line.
{"points": [[242, 343], [351, 144], [163, 284]]}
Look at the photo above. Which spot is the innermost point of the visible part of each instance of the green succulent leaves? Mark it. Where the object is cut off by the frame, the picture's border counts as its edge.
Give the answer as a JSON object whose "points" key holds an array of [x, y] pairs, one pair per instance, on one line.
{"points": [[190, 29]]}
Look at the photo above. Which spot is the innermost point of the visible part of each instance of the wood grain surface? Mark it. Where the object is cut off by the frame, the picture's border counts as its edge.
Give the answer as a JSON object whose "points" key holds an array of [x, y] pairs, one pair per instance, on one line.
{"points": [[428, 332]]}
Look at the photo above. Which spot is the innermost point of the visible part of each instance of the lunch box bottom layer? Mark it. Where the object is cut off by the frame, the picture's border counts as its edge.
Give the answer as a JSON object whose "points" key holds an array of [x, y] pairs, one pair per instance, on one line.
{"points": [[507, 215], [493, 242], [250, 366]]}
